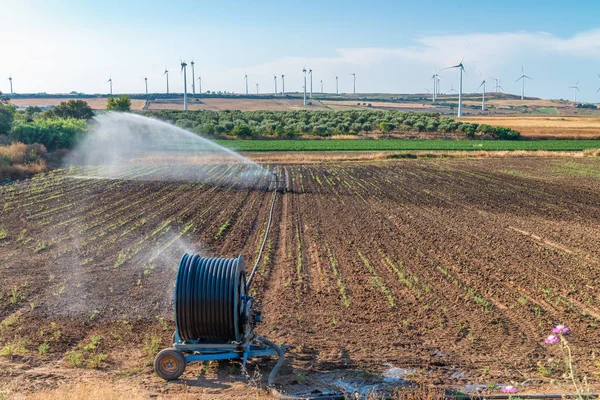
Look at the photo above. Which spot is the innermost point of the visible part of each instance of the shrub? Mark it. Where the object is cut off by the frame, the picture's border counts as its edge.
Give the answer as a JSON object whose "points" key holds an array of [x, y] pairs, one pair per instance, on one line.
{"points": [[78, 109], [52, 133], [7, 116], [121, 103]]}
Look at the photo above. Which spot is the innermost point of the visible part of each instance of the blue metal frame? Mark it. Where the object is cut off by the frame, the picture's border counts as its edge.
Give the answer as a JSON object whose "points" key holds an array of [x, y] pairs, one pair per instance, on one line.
{"points": [[198, 351]]}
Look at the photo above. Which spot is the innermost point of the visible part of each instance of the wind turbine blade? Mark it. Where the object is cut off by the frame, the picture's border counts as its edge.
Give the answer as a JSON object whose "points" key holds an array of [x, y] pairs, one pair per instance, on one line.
{"points": [[525, 76], [481, 85], [454, 66]]}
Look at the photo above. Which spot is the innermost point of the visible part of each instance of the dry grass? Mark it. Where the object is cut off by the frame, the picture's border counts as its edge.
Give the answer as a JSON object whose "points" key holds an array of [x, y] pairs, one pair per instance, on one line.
{"points": [[559, 127], [18, 160], [92, 391]]}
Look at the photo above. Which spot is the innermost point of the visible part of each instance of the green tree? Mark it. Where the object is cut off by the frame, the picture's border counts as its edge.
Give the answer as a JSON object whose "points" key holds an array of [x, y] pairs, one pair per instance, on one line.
{"points": [[7, 116], [121, 103], [78, 109]]}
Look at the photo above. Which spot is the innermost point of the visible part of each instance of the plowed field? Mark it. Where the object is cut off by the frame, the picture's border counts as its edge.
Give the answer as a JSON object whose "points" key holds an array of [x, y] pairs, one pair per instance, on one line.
{"points": [[452, 269]]}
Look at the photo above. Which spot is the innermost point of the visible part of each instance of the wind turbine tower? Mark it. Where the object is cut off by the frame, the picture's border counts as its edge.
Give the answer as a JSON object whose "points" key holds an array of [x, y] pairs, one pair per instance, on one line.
{"points": [[109, 81], [461, 68], [336, 85], [282, 85], [10, 80], [166, 73], [435, 79], [310, 73], [275, 84], [575, 90], [184, 70], [304, 72], [199, 85], [146, 80], [354, 80], [193, 79], [322, 86], [483, 93], [522, 79], [256, 87], [246, 78]]}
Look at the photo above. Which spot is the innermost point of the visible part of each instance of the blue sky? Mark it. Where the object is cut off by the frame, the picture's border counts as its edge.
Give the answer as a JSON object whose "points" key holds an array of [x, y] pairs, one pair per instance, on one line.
{"points": [[393, 46]]}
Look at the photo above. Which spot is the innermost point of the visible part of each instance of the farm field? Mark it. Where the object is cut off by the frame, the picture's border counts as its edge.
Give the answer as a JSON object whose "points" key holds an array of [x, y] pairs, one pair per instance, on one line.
{"points": [[412, 144], [453, 270], [546, 127], [98, 103]]}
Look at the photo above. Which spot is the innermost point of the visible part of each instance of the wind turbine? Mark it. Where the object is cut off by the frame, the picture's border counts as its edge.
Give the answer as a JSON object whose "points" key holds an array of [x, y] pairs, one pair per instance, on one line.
{"points": [[451, 89], [146, 80], [596, 90], [483, 93], [522, 79], [310, 73], [109, 81], [336, 84], [246, 78], [184, 70], [498, 86], [256, 87], [199, 84], [461, 68], [428, 90], [354, 76], [575, 90], [193, 80], [322, 86], [10, 80], [435, 79], [166, 73], [304, 72], [275, 83], [282, 85]]}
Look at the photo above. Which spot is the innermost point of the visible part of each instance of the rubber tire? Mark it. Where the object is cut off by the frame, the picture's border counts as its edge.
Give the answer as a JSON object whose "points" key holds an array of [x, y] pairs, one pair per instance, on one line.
{"points": [[169, 364]]}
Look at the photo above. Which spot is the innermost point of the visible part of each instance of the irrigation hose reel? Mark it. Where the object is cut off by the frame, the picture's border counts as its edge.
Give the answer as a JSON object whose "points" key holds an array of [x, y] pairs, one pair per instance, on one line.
{"points": [[214, 315]]}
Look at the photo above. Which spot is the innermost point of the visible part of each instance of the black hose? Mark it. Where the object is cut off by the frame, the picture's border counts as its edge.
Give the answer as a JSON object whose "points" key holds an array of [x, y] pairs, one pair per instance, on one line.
{"points": [[208, 298], [262, 246]]}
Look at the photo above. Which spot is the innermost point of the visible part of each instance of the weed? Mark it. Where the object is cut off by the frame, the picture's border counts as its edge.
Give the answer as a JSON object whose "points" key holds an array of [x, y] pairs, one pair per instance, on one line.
{"points": [[493, 386], [75, 359], [93, 314], [152, 345], [15, 348], [43, 348], [301, 376], [3, 233], [10, 320], [15, 295], [544, 371], [162, 323], [96, 360]]}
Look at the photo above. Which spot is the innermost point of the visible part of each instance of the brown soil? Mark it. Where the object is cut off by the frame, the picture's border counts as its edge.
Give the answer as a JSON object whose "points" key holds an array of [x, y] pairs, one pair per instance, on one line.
{"points": [[455, 268]]}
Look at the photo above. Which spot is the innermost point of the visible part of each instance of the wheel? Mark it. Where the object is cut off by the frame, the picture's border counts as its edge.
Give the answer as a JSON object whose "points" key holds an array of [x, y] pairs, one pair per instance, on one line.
{"points": [[169, 364]]}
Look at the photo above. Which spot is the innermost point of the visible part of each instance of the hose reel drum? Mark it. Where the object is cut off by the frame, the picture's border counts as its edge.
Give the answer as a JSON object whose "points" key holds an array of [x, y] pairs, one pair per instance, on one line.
{"points": [[213, 315]]}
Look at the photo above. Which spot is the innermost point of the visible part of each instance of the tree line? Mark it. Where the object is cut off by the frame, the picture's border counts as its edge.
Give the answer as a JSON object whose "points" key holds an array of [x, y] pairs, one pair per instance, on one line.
{"points": [[317, 123]]}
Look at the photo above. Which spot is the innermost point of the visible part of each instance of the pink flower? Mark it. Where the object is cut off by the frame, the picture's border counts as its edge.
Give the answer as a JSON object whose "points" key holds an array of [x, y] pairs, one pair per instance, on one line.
{"points": [[509, 389], [560, 329], [551, 339]]}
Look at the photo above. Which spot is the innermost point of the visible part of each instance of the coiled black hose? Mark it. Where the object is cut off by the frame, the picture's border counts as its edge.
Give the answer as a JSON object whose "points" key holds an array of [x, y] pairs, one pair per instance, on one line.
{"points": [[208, 298]]}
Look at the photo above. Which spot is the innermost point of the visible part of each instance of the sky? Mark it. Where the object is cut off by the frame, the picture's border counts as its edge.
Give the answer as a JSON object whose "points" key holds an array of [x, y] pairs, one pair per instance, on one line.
{"points": [[58, 46]]}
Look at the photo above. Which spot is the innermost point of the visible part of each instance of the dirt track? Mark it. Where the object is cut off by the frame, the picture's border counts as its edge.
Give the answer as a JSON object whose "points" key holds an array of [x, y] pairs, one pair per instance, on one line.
{"points": [[454, 268]]}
